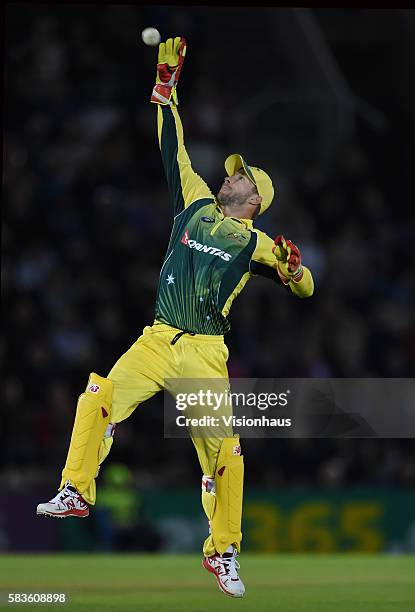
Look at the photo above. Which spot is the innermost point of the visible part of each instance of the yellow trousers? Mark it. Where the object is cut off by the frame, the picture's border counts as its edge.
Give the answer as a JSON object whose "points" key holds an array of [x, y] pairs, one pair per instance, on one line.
{"points": [[141, 372]]}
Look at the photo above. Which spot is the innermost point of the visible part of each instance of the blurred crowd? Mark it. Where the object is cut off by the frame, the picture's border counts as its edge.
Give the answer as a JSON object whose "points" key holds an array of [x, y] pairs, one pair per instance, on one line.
{"points": [[86, 222]]}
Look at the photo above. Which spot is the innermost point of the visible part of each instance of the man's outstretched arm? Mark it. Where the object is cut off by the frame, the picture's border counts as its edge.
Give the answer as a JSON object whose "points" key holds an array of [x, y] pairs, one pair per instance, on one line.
{"points": [[185, 186]]}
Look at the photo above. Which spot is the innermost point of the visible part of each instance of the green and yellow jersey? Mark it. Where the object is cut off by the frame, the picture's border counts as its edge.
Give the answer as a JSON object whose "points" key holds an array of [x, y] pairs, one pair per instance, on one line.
{"points": [[210, 256]]}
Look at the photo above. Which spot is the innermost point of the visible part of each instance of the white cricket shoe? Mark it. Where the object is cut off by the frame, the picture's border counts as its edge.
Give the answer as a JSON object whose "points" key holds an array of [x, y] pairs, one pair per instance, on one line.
{"points": [[225, 568], [67, 502]]}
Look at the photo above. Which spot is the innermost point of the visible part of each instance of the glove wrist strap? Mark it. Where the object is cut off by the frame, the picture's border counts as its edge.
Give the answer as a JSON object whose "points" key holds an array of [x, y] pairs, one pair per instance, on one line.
{"points": [[296, 278], [164, 94]]}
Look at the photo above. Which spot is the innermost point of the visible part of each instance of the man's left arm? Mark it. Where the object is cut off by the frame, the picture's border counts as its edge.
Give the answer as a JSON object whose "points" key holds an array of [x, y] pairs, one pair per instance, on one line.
{"points": [[280, 260]]}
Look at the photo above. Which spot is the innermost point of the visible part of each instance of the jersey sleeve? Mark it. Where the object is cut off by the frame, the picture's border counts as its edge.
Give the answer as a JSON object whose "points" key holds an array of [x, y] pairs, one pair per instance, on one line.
{"points": [[264, 263], [185, 186]]}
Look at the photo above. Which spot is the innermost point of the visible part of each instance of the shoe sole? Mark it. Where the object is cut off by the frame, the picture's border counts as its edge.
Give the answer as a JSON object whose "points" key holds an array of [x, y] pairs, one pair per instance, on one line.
{"points": [[63, 515], [221, 587]]}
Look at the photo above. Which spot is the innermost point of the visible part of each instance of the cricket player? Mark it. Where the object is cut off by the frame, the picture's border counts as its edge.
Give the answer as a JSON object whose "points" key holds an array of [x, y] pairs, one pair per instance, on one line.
{"points": [[214, 250]]}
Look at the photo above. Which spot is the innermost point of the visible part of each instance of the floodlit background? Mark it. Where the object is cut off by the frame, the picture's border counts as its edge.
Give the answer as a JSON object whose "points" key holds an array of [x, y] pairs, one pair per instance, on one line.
{"points": [[324, 101]]}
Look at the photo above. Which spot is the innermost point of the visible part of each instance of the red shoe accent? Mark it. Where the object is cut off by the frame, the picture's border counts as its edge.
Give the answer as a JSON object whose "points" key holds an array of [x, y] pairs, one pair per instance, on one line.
{"points": [[75, 512]]}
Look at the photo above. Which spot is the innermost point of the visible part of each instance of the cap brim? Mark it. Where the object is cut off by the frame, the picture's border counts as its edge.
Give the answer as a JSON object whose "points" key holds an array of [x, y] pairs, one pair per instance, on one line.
{"points": [[234, 163]]}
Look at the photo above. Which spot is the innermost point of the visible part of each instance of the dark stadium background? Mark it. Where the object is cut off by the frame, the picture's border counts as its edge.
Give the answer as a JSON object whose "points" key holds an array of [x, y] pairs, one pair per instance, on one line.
{"points": [[323, 100]]}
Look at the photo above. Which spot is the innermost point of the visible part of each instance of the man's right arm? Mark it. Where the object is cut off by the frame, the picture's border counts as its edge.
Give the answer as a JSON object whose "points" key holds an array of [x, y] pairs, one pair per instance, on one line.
{"points": [[185, 186]]}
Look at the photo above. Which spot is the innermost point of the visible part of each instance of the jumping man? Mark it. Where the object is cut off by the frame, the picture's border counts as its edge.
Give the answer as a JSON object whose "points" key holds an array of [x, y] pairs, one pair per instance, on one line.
{"points": [[214, 250]]}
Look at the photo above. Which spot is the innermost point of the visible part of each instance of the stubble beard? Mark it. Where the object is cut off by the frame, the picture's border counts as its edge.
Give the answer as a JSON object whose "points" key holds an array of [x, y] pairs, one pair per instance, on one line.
{"points": [[230, 200]]}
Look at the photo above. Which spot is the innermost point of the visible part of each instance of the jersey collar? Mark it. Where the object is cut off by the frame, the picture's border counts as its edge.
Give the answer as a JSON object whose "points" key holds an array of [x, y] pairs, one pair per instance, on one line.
{"points": [[249, 224]]}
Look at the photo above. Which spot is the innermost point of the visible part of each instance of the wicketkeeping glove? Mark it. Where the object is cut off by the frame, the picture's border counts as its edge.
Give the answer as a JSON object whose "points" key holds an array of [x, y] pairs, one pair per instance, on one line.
{"points": [[170, 62], [289, 260]]}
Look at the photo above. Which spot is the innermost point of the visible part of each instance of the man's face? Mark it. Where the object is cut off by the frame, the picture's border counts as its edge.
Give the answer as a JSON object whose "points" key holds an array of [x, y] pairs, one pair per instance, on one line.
{"points": [[236, 190]]}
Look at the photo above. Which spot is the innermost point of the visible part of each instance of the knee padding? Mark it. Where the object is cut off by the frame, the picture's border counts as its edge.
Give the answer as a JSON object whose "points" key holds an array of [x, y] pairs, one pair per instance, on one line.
{"points": [[229, 477], [91, 422]]}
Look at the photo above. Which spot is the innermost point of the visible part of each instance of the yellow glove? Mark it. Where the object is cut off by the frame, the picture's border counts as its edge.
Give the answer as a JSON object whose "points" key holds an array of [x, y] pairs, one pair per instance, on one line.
{"points": [[170, 61]]}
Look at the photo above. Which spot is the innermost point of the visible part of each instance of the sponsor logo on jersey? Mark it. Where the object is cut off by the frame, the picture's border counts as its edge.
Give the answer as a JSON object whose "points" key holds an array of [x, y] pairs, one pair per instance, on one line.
{"points": [[94, 388], [204, 248], [185, 238], [208, 219], [236, 450], [236, 236]]}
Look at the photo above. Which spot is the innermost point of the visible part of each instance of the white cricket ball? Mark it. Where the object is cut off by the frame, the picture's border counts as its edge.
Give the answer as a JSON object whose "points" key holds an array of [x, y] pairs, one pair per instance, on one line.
{"points": [[151, 36]]}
